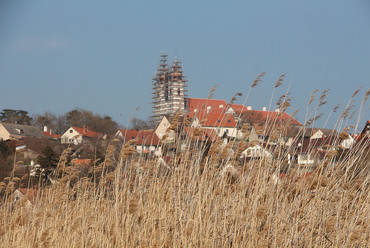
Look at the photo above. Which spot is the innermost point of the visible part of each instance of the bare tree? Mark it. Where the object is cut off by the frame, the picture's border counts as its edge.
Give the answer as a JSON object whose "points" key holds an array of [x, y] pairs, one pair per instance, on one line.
{"points": [[138, 124]]}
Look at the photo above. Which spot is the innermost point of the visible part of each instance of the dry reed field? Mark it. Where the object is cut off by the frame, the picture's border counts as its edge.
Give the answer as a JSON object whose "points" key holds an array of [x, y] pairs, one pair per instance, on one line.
{"points": [[205, 196]]}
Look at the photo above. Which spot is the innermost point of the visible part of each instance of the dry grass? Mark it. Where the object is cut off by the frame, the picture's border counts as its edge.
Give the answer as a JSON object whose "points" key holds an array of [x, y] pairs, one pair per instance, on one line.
{"points": [[197, 200], [186, 208]]}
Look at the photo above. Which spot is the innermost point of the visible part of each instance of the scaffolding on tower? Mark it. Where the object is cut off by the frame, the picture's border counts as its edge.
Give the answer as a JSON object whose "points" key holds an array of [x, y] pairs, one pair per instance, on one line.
{"points": [[170, 90]]}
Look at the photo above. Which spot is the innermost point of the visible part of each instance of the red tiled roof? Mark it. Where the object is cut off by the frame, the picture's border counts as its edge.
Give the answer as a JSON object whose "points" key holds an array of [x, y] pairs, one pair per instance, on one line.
{"points": [[238, 108], [215, 119], [201, 104], [52, 135], [86, 132], [143, 137], [81, 162], [261, 116], [207, 134]]}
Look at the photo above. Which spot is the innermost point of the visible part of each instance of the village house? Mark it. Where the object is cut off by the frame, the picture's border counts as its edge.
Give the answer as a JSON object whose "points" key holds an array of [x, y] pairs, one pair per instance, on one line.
{"points": [[161, 130], [256, 152], [312, 151], [78, 135], [223, 124], [30, 196], [10, 131], [272, 126], [146, 141]]}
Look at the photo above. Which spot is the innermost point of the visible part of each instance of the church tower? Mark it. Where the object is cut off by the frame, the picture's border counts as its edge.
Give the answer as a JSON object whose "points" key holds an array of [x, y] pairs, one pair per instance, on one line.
{"points": [[169, 90]]}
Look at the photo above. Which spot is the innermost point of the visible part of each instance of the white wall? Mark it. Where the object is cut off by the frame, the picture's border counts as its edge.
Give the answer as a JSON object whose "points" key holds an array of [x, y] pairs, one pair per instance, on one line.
{"points": [[71, 136], [4, 134]]}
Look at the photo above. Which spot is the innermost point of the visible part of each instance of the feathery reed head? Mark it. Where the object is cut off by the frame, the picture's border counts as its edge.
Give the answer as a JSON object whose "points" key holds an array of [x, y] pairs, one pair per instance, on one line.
{"points": [[210, 95], [279, 81], [258, 79]]}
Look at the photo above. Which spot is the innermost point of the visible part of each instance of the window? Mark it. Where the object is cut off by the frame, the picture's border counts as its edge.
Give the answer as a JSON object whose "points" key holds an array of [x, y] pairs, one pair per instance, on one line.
{"points": [[71, 131]]}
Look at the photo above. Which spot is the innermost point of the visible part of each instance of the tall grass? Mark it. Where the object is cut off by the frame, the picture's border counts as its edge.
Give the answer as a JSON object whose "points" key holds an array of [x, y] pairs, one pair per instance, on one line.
{"points": [[204, 197]]}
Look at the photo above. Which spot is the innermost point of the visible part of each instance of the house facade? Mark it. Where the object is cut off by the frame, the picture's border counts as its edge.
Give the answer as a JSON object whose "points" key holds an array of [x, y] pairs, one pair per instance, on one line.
{"points": [[223, 124], [312, 151], [161, 130], [146, 141], [78, 135]]}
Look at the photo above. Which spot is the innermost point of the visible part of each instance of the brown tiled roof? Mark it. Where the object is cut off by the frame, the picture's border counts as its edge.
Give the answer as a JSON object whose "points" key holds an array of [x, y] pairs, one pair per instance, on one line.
{"points": [[143, 137], [309, 145], [256, 116]]}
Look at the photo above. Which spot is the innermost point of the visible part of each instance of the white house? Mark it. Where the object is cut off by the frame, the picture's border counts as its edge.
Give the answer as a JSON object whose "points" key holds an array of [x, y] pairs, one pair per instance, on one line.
{"points": [[256, 152], [78, 135], [161, 130]]}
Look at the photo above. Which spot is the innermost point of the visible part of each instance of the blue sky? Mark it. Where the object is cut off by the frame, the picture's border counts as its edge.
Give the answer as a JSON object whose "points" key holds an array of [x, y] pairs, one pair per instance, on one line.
{"points": [[101, 55]]}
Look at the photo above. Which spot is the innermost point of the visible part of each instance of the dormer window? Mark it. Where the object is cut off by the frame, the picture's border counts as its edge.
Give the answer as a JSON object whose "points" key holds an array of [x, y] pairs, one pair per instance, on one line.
{"points": [[19, 130]]}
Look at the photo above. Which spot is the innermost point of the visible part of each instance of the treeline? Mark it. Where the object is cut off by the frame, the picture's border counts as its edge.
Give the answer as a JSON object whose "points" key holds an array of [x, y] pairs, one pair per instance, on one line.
{"points": [[60, 123]]}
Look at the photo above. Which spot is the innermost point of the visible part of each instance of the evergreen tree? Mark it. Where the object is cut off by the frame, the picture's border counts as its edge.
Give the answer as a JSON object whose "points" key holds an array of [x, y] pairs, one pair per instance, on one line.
{"points": [[48, 161]]}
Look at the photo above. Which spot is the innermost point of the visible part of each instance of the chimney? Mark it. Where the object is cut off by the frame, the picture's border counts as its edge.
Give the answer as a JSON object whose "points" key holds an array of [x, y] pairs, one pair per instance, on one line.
{"points": [[50, 132], [84, 129], [277, 110], [45, 128], [249, 107], [264, 109], [208, 109]]}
